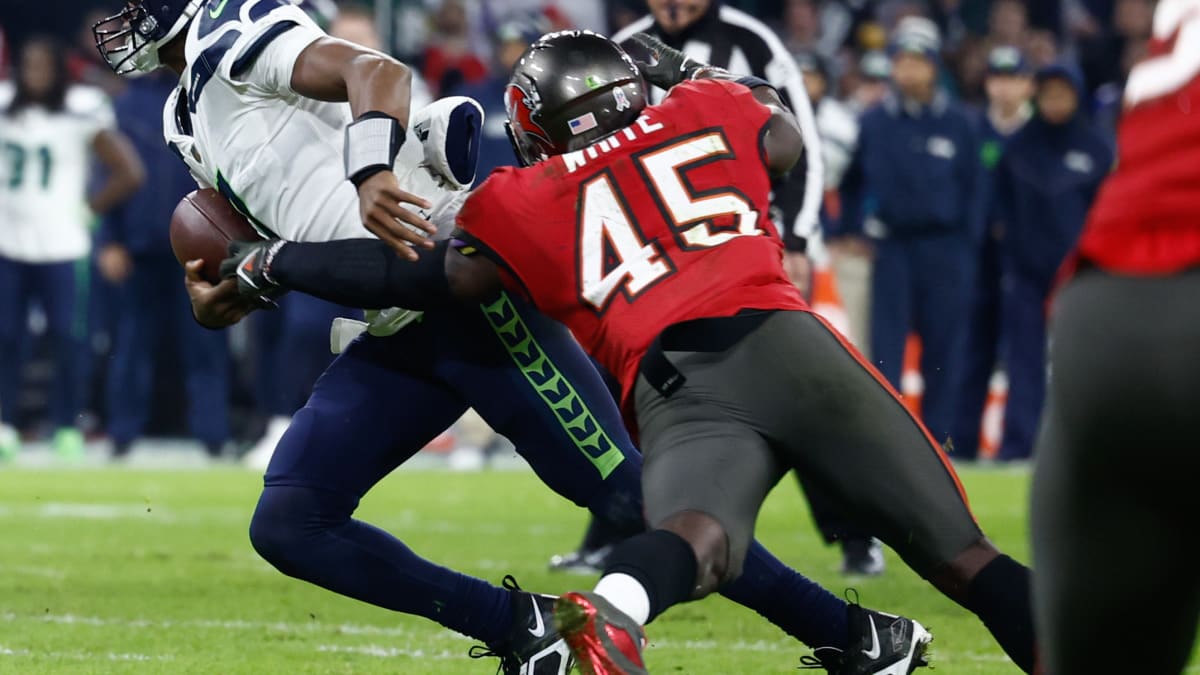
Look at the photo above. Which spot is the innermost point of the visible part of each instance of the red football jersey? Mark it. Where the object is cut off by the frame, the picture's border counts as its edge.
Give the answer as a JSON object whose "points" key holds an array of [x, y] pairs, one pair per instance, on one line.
{"points": [[1146, 219], [662, 222]]}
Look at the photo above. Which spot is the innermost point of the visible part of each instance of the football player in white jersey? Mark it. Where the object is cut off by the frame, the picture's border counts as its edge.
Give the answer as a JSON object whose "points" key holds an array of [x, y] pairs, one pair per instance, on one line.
{"points": [[311, 137], [50, 131]]}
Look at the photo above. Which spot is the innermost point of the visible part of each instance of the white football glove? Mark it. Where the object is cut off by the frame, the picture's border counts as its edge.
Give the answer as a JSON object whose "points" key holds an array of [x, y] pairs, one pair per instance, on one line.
{"points": [[449, 130]]}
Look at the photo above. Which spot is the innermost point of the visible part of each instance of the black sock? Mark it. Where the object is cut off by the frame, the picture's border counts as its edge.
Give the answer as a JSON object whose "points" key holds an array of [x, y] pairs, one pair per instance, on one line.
{"points": [[662, 562], [1000, 596]]}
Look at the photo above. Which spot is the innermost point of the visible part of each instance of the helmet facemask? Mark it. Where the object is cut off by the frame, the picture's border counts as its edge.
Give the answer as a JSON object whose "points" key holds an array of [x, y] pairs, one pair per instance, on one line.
{"points": [[129, 40]]}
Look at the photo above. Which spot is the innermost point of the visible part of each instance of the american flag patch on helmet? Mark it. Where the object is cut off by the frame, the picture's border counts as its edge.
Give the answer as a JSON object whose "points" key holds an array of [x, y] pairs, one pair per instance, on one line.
{"points": [[582, 123]]}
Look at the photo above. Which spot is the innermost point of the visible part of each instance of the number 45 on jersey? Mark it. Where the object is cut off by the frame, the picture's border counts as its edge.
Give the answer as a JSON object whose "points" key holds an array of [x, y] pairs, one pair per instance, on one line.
{"points": [[614, 254]]}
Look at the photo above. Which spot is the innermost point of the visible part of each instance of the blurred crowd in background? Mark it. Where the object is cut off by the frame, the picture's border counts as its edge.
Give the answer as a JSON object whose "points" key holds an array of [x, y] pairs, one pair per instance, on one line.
{"points": [[963, 142]]}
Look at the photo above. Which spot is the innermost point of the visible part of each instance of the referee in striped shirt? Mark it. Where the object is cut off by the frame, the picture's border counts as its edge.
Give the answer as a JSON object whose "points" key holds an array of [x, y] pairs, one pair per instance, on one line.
{"points": [[710, 32]]}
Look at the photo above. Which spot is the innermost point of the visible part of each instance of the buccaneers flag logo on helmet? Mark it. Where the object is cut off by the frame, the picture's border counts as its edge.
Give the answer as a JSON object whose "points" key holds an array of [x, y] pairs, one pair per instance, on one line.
{"points": [[520, 105]]}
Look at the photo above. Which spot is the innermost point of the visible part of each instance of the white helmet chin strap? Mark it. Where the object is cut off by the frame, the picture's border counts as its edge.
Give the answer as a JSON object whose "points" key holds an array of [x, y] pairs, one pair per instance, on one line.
{"points": [[145, 56]]}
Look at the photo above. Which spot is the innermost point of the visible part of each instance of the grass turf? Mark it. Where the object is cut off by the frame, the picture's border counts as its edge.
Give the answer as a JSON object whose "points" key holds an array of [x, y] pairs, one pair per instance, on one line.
{"points": [[124, 571]]}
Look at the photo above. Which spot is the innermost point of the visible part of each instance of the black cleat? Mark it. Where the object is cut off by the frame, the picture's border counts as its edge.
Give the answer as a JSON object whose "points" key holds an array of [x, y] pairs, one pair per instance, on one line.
{"points": [[534, 647], [880, 644]]}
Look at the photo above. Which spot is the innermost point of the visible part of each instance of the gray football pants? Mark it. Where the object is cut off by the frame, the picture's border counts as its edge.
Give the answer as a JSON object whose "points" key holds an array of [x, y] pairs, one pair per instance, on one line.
{"points": [[1117, 587], [791, 394]]}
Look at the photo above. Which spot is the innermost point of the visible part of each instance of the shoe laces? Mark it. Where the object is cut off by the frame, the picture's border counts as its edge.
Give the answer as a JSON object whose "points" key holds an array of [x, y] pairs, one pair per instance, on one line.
{"points": [[509, 583], [484, 652], [851, 595], [828, 658]]}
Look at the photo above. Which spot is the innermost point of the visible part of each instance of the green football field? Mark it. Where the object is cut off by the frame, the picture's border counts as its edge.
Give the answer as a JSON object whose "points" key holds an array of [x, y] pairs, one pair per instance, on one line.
{"points": [[128, 571]]}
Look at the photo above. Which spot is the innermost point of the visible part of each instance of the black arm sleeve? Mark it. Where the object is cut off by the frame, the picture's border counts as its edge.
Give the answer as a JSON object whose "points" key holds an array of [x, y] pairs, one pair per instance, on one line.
{"points": [[364, 273]]}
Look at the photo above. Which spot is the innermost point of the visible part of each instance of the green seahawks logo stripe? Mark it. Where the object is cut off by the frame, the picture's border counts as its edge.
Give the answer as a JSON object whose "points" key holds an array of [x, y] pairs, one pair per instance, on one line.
{"points": [[583, 428]]}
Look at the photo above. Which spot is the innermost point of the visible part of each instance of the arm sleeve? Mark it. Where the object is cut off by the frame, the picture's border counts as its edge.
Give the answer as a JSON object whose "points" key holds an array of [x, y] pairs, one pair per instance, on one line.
{"points": [[364, 273]]}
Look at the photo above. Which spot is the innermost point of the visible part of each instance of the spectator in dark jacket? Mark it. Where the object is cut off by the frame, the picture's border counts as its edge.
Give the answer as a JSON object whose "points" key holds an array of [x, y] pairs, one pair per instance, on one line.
{"points": [[1009, 86], [917, 161], [1045, 184], [134, 252], [512, 37]]}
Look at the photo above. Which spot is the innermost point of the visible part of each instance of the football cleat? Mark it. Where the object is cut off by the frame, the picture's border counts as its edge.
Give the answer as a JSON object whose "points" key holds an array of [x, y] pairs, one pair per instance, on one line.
{"points": [[581, 561], [534, 647], [862, 557], [880, 644], [603, 639]]}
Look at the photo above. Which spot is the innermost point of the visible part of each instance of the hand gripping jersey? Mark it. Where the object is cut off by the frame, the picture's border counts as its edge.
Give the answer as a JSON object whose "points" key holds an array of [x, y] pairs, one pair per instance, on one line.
{"points": [[1145, 220], [662, 222], [44, 161], [241, 128]]}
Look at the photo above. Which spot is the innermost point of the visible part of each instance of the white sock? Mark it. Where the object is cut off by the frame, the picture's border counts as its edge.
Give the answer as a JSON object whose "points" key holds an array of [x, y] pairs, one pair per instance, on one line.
{"points": [[626, 594]]}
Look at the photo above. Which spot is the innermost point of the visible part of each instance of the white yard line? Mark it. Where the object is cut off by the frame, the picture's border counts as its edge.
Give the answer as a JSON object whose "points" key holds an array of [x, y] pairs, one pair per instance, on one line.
{"points": [[738, 646], [391, 652], [84, 656], [236, 625], [32, 571]]}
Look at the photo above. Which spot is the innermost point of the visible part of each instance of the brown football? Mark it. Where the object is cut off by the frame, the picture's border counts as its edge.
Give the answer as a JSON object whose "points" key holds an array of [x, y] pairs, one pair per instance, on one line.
{"points": [[202, 226]]}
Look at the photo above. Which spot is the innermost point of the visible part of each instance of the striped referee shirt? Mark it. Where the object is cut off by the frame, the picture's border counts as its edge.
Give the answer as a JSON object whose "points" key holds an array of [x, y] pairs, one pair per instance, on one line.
{"points": [[734, 40]]}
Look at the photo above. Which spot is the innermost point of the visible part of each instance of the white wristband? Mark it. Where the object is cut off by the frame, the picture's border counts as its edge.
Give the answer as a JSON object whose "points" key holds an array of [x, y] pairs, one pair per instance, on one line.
{"points": [[372, 142]]}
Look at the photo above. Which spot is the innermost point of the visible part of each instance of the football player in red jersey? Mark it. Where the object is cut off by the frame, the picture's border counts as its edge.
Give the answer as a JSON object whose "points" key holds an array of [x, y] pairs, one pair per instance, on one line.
{"points": [[1113, 492], [644, 229]]}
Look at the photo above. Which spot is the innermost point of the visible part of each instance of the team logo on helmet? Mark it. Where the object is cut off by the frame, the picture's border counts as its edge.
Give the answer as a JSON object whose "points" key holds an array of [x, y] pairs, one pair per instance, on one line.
{"points": [[520, 105]]}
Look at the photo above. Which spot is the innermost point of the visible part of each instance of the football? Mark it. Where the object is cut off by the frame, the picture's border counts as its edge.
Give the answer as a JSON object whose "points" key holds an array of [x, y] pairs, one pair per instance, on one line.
{"points": [[202, 226]]}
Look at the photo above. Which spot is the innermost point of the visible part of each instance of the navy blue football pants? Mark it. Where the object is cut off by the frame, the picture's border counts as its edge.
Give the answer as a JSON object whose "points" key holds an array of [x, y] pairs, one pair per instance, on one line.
{"points": [[384, 398], [56, 289], [292, 350]]}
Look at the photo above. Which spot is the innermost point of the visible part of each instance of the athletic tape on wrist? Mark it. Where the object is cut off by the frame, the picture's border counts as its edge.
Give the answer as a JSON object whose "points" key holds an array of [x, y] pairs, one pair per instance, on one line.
{"points": [[372, 143]]}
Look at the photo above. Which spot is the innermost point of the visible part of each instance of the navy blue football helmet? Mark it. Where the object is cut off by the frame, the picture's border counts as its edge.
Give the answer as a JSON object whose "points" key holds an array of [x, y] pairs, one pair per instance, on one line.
{"points": [[129, 41]]}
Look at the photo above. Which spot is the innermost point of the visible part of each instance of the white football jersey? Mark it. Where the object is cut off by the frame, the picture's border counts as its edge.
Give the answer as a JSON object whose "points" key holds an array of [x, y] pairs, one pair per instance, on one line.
{"points": [[240, 127], [277, 155], [44, 161]]}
